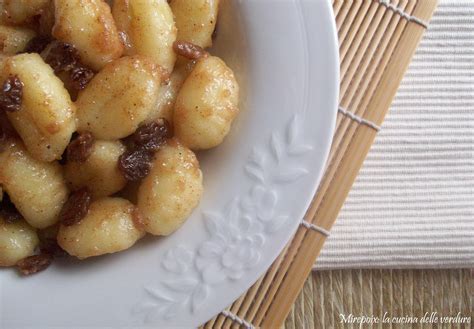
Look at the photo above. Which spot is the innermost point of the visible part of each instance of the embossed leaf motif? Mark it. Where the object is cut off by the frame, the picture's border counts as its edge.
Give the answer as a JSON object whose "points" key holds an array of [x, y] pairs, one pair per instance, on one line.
{"points": [[291, 175], [212, 223], [292, 131], [294, 147], [255, 172], [182, 285], [236, 235], [275, 146]]}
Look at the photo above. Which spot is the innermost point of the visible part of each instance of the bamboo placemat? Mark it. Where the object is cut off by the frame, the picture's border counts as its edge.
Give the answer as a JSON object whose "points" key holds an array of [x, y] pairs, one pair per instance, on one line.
{"points": [[384, 294], [377, 41]]}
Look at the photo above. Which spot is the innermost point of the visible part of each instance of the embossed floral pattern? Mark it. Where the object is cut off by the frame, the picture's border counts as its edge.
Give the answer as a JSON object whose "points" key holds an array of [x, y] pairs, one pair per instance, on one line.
{"points": [[237, 234]]}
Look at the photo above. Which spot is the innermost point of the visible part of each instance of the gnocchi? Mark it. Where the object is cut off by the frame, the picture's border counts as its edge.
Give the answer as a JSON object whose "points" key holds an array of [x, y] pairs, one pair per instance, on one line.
{"points": [[14, 39], [18, 240], [22, 11], [148, 29], [119, 98], [164, 106], [37, 188], [171, 191], [206, 105], [195, 20], [108, 227], [100, 112], [90, 27], [46, 119], [99, 172]]}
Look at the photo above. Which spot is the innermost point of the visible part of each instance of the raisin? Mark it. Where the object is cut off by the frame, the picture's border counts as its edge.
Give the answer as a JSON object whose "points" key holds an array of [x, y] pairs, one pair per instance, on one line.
{"points": [[135, 164], [151, 136], [51, 247], [37, 44], [34, 264], [189, 50], [8, 211], [62, 57], [80, 148], [81, 76], [76, 207], [11, 94]]}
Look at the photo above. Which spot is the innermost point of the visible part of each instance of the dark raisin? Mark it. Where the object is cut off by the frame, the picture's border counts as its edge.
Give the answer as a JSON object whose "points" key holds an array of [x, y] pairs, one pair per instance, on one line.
{"points": [[34, 264], [151, 136], [76, 207], [81, 76], [62, 56], [189, 50], [37, 44], [135, 164], [51, 247], [80, 148], [8, 211], [11, 94]]}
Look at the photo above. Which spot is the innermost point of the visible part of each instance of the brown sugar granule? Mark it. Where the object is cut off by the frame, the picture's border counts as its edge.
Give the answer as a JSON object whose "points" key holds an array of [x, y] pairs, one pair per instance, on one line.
{"points": [[80, 148], [76, 207], [135, 164], [11, 94], [151, 136], [37, 44], [34, 264], [189, 50]]}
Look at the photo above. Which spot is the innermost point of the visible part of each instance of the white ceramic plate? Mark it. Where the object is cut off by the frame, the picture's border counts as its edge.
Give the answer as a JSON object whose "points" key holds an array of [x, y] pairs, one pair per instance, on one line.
{"points": [[258, 185]]}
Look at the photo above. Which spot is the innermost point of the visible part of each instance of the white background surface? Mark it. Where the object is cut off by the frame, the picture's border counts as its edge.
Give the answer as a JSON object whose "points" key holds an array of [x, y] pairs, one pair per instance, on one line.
{"points": [[412, 204]]}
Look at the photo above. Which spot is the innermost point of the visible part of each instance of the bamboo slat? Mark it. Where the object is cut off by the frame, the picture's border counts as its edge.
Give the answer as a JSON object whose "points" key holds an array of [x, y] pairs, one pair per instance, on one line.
{"points": [[376, 46]]}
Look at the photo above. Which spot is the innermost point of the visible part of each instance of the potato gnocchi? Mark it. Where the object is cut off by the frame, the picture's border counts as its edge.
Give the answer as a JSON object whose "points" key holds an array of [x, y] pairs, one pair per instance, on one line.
{"points": [[89, 26], [107, 228], [119, 98], [102, 105], [206, 105], [196, 20], [37, 188], [171, 190], [148, 28], [18, 240], [46, 118]]}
